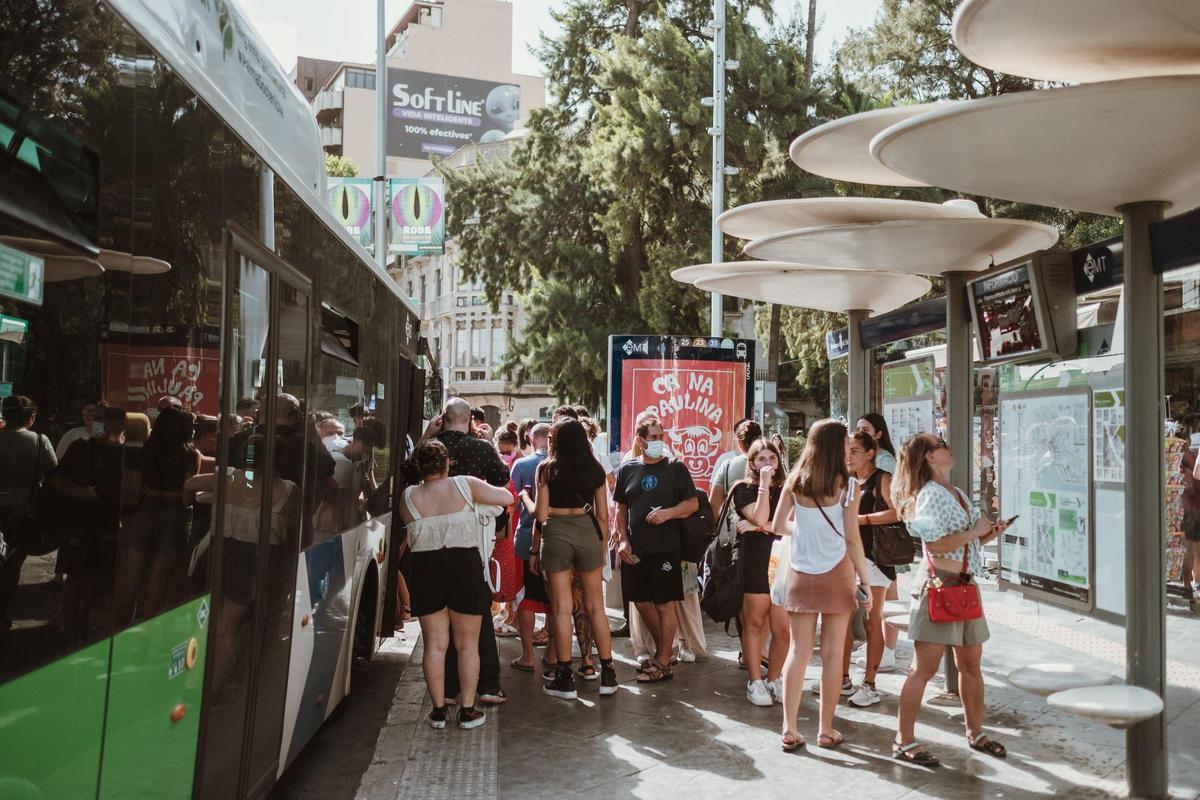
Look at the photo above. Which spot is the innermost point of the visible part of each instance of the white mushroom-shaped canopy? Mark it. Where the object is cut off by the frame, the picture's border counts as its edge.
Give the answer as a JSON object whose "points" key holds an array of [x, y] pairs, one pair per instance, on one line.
{"points": [[1081, 41], [839, 149], [1093, 147], [921, 247], [756, 220], [836, 290]]}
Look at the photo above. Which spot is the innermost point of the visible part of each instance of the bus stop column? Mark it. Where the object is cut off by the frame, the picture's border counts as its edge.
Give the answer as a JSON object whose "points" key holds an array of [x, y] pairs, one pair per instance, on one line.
{"points": [[959, 390], [1145, 581], [856, 369]]}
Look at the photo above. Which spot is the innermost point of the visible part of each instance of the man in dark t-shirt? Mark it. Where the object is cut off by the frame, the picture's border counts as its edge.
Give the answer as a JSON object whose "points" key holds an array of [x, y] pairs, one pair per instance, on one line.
{"points": [[653, 494]]}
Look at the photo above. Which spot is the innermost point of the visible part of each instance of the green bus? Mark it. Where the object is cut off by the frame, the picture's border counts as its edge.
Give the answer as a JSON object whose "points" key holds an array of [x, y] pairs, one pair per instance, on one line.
{"points": [[208, 386]]}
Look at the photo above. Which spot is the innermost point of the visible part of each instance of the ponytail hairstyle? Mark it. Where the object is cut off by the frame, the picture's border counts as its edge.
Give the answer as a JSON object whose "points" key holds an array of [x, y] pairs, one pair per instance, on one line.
{"points": [[821, 469]]}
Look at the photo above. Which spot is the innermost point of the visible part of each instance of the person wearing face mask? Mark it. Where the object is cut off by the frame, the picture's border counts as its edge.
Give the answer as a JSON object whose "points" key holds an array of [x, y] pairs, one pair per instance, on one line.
{"points": [[653, 494], [83, 431]]}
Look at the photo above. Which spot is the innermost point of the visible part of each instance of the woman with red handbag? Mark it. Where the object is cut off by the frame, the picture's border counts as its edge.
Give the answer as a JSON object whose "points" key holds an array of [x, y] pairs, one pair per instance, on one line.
{"points": [[946, 608]]}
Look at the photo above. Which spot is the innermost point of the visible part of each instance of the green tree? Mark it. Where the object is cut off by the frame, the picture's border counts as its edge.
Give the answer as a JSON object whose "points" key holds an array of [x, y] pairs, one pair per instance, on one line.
{"points": [[609, 191], [340, 166]]}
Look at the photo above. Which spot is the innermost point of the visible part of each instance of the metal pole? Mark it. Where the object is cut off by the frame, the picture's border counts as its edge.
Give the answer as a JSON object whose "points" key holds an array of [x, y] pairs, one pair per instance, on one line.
{"points": [[959, 391], [856, 369], [266, 207], [1145, 581], [717, 312], [381, 120]]}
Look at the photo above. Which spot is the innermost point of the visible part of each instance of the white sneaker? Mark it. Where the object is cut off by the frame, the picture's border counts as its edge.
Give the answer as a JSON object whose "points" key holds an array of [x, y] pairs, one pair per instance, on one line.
{"points": [[686, 656], [864, 696], [758, 694], [887, 661], [859, 652], [775, 687]]}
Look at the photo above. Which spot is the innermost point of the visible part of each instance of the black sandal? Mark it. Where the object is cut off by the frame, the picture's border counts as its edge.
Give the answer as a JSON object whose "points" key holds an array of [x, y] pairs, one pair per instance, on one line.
{"points": [[588, 672], [912, 755], [985, 745]]}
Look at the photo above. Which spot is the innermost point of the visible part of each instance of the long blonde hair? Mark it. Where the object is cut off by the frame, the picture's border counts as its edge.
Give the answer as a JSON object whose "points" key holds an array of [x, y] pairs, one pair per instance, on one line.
{"points": [[912, 472], [820, 471]]}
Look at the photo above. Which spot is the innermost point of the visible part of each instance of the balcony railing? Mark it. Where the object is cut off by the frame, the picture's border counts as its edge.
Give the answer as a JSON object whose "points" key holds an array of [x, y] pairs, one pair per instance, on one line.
{"points": [[328, 103], [331, 137]]}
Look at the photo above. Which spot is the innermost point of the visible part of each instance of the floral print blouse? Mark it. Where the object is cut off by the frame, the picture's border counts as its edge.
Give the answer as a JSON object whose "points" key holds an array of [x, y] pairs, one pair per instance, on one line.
{"points": [[938, 514]]}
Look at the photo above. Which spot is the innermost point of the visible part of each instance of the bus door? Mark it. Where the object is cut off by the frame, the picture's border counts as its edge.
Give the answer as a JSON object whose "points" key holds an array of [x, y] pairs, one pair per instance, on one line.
{"points": [[261, 515]]}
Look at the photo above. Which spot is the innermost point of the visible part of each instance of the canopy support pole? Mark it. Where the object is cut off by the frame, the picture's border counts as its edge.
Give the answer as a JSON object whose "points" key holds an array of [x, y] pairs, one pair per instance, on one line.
{"points": [[959, 417], [1145, 579], [856, 369]]}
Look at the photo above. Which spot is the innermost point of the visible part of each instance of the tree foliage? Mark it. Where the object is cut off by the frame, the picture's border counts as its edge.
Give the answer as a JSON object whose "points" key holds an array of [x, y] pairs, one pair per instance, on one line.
{"points": [[340, 166], [610, 189]]}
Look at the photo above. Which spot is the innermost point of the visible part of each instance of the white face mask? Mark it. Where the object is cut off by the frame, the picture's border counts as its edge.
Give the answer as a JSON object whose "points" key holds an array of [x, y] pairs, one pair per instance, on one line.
{"points": [[654, 449], [97, 429]]}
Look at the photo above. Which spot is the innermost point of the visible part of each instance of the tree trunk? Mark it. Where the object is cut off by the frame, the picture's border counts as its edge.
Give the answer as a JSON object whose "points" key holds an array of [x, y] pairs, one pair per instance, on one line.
{"points": [[635, 12]]}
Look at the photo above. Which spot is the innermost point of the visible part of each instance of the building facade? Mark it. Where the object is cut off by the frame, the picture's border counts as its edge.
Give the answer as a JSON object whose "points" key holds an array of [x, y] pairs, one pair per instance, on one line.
{"points": [[452, 95]]}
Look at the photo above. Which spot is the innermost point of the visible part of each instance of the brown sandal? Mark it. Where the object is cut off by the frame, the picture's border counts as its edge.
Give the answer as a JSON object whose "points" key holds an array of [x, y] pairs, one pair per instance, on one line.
{"points": [[654, 673], [914, 753], [830, 740], [789, 741], [985, 745]]}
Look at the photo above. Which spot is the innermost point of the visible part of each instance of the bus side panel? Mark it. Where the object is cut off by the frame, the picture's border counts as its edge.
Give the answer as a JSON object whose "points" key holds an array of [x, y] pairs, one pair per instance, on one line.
{"points": [[51, 721], [153, 722], [325, 577]]}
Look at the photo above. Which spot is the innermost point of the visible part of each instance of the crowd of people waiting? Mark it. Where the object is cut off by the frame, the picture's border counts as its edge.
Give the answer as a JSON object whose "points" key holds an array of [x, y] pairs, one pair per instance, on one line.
{"points": [[566, 523], [123, 501]]}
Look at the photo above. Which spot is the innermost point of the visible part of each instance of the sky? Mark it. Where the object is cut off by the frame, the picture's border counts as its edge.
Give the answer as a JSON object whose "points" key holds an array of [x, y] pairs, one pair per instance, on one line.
{"points": [[306, 27]]}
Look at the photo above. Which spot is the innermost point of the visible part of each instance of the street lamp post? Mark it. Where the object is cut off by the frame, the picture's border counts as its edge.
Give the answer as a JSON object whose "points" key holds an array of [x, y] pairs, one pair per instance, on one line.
{"points": [[381, 117], [717, 131]]}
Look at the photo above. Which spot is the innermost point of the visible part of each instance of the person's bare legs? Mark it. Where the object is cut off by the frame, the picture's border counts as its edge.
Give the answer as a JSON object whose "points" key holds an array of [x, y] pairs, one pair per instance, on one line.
{"points": [[781, 639], [875, 636], [970, 686], [582, 620], [561, 604], [926, 657], [755, 611], [667, 625], [803, 628], [833, 644], [525, 623], [435, 631], [649, 614], [464, 628], [593, 603], [891, 633]]}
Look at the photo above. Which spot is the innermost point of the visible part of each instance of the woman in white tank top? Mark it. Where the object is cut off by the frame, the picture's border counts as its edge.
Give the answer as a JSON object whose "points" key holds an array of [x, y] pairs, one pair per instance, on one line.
{"points": [[448, 591], [825, 554]]}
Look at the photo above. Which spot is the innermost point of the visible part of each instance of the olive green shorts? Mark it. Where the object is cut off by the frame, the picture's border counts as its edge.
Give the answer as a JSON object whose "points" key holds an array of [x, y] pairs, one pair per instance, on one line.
{"points": [[922, 629], [571, 543]]}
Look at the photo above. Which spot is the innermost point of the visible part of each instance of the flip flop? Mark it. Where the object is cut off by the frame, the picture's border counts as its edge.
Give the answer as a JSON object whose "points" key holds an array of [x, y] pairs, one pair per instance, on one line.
{"points": [[505, 630], [789, 741], [830, 740], [517, 665]]}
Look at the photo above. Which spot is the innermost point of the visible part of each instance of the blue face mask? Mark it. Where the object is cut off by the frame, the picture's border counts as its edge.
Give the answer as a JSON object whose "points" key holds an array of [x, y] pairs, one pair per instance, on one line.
{"points": [[654, 449]]}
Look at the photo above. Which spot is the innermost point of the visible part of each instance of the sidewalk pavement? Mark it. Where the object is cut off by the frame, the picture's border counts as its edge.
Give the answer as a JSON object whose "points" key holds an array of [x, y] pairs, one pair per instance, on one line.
{"points": [[697, 736]]}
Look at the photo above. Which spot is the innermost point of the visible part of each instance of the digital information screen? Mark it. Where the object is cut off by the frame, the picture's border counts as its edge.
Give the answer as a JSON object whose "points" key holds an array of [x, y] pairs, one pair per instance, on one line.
{"points": [[1005, 319]]}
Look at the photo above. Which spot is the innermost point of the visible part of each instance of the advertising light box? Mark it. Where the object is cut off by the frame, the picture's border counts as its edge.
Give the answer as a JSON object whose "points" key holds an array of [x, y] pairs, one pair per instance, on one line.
{"points": [[698, 388], [434, 115], [1025, 312]]}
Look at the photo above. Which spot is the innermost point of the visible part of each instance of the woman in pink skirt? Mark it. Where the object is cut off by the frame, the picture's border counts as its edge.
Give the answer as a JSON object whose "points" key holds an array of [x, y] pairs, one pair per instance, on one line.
{"points": [[819, 509]]}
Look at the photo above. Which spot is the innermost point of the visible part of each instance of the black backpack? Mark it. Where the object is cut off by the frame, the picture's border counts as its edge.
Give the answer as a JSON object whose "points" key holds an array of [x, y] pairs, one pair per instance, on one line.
{"points": [[721, 576], [698, 529]]}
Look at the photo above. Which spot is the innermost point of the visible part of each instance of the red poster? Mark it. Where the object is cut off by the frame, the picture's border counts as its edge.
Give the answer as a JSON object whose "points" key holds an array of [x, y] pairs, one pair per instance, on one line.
{"points": [[698, 403], [136, 377]]}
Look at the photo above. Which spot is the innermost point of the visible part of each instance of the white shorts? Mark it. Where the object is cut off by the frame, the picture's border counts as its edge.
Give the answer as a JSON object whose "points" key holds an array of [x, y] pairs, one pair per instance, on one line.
{"points": [[878, 579]]}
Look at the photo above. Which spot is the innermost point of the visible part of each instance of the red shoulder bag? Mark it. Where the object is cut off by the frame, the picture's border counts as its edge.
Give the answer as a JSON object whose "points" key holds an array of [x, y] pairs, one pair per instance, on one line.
{"points": [[959, 603]]}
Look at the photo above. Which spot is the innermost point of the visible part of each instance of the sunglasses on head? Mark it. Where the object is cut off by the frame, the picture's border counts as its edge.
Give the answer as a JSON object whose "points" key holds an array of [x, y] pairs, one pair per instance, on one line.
{"points": [[941, 444]]}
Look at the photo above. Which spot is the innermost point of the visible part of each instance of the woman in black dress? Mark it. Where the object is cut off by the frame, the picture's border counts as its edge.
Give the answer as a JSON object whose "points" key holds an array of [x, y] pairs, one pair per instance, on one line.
{"points": [[754, 499]]}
